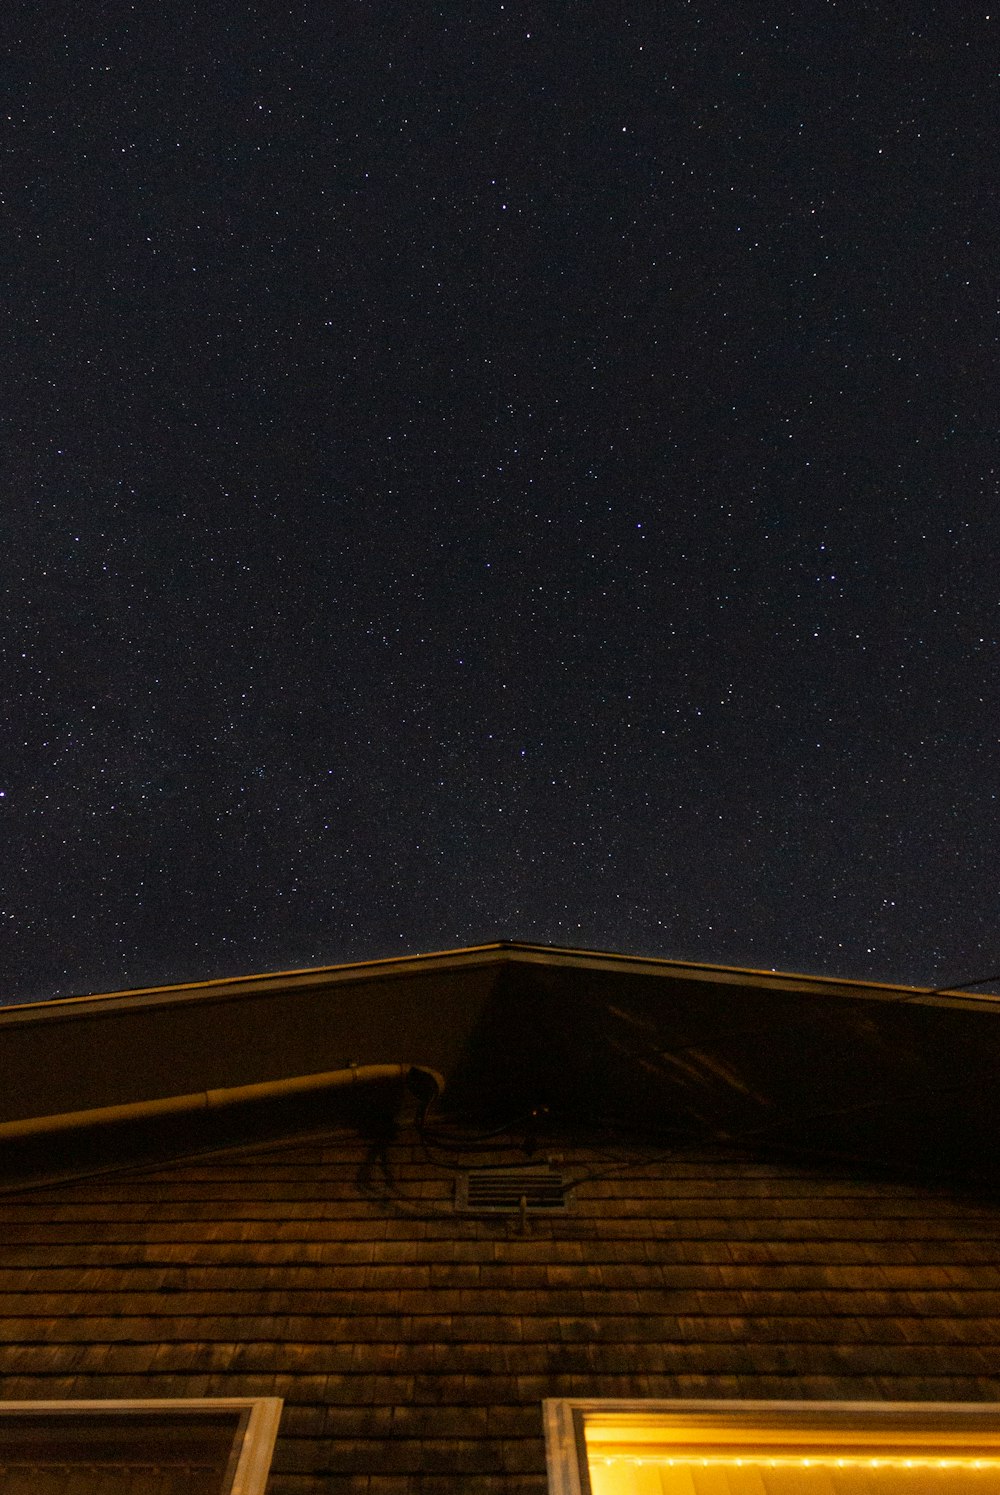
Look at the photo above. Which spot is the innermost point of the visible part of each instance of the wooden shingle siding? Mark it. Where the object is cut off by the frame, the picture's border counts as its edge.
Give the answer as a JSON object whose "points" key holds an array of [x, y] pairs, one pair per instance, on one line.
{"points": [[413, 1345]]}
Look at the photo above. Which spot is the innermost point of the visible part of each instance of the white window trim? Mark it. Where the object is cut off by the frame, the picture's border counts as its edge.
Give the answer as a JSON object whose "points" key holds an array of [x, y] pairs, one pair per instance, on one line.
{"points": [[923, 1425], [254, 1437]]}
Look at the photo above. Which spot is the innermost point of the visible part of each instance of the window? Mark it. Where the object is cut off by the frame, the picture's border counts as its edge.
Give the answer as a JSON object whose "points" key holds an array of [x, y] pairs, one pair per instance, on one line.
{"points": [[217, 1447], [772, 1448]]}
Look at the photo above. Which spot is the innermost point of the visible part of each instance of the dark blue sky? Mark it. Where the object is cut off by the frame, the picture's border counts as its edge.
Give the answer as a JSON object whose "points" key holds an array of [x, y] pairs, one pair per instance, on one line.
{"points": [[515, 471]]}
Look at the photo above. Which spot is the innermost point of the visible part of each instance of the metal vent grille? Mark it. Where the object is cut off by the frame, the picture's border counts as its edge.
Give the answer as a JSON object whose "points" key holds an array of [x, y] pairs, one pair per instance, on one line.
{"points": [[537, 1189]]}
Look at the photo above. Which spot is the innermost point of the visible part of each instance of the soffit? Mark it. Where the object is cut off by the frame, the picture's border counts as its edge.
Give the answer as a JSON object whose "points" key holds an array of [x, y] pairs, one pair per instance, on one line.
{"points": [[884, 1075]]}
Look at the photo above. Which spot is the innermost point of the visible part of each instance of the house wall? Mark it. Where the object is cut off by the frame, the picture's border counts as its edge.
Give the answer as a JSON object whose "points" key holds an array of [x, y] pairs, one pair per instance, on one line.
{"points": [[413, 1345]]}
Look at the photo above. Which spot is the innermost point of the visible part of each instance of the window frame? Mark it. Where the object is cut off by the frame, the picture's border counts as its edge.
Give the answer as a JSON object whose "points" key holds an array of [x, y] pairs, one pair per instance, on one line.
{"points": [[913, 1423], [254, 1434]]}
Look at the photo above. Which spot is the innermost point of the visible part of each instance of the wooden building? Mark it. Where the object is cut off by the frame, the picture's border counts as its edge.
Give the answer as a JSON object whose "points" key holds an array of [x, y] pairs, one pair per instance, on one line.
{"points": [[416, 1200]]}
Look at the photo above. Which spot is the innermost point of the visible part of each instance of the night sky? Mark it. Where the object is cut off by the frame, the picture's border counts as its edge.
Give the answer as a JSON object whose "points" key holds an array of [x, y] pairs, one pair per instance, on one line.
{"points": [[479, 471]]}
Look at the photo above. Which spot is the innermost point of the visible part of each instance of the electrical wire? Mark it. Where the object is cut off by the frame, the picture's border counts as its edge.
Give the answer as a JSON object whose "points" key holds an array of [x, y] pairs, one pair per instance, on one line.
{"points": [[943, 991]]}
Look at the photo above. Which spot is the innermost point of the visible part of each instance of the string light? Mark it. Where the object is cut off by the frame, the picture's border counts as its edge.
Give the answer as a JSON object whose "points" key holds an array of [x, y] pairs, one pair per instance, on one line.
{"points": [[799, 1461]]}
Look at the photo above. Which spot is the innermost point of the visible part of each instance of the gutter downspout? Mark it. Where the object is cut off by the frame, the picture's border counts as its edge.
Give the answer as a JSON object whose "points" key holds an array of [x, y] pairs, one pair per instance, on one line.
{"points": [[425, 1083]]}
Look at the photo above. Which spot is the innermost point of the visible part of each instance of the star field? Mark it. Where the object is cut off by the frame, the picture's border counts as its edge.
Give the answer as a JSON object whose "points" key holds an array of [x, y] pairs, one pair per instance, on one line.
{"points": [[511, 471]]}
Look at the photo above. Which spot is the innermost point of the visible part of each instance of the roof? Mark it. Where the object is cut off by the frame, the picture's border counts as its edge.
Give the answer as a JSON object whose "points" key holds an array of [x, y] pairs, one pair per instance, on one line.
{"points": [[880, 1076]]}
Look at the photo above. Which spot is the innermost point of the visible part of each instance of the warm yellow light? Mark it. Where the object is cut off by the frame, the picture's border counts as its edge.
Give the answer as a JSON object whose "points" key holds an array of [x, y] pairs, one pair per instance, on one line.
{"points": [[765, 1474], [694, 1452], [813, 1461]]}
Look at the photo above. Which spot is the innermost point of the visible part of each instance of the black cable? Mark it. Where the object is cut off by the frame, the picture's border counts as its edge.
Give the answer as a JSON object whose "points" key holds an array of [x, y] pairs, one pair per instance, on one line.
{"points": [[943, 991], [963, 985]]}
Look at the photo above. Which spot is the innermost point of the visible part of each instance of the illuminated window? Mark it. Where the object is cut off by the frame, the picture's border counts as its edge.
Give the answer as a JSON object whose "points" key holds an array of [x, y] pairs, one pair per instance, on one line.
{"points": [[217, 1447], [771, 1448]]}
